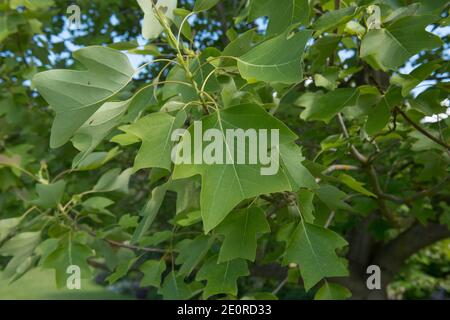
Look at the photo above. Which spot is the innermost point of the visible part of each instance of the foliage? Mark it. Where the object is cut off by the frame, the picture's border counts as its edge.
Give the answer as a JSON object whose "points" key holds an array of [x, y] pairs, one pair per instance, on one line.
{"points": [[86, 175], [425, 275]]}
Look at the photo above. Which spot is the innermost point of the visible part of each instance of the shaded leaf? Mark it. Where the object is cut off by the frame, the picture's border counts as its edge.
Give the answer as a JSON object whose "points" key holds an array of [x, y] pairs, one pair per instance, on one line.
{"points": [[240, 230], [76, 95]]}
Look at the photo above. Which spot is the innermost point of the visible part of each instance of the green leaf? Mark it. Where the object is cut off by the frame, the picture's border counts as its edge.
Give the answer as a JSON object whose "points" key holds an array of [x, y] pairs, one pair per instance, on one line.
{"points": [[128, 221], [327, 79], [76, 95], [114, 180], [174, 288], [323, 48], [49, 195], [8, 25], [191, 252], [401, 40], [202, 5], [354, 184], [225, 185], [152, 270], [67, 255], [97, 203], [239, 46], [156, 238], [221, 278], [151, 28], [410, 81], [429, 102], [282, 13], [97, 127], [20, 243], [313, 249], [21, 248], [121, 270], [330, 104], [332, 197], [299, 176], [305, 205], [189, 218], [332, 291], [276, 60], [188, 198], [354, 28], [7, 226], [150, 211], [240, 230], [378, 117], [94, 160], [124, 45], [333, 19], [155, 132]]}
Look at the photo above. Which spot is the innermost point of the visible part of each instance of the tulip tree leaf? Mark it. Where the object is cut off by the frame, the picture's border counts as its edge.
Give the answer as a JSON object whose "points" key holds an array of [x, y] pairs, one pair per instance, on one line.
{"points": [[313, 248], [330, 104], [378, 117], [276, 60], [240, 229], [401, 40], [281, 14], [155, 132], [332, 197], [299, 176], [191, 254], [67, 255], [305, 205], [21, 248], [225, 185], [49, 194], [152, 270], [150, 211], [332, 291], [7, 226], [354, 184], [174, 288], [76, 95], [221, 278], [332, 19], [107, 117], [410, 81], [114, 180], [151, 28]]}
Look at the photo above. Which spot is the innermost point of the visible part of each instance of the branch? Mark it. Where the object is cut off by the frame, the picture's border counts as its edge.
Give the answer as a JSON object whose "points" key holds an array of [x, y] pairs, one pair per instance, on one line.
{"points": [[358, 155], [111, 242], [428, 192], [422, 130], [373, 175], [223, 22], [340, 167], [390, 257]]}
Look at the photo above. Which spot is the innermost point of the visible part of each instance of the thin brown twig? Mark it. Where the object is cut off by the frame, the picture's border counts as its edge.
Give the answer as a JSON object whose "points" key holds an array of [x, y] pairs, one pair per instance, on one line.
{"points": [[422, 130]]}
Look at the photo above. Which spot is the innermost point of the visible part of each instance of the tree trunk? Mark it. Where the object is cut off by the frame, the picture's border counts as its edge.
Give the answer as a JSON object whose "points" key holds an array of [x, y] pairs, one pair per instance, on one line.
{"points": [[389, 257]]}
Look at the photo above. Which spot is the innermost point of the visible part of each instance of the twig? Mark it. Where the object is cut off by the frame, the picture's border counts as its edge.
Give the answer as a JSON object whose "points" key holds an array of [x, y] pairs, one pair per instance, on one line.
{"points": [[112, 242], [340, 167], [422, 130], [280, 286], [358, 155], [373, 176], [330, 219]]}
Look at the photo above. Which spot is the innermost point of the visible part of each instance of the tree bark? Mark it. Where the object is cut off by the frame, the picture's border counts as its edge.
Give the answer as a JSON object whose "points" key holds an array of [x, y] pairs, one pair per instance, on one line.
{"points": [[389, 257], [365, 251]]}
